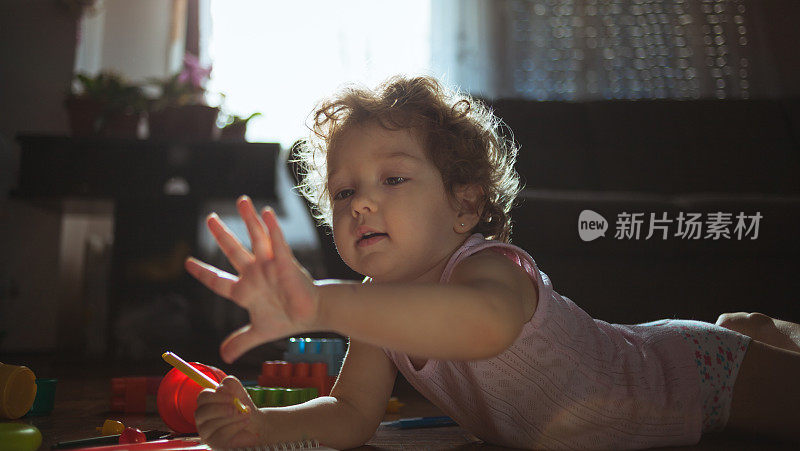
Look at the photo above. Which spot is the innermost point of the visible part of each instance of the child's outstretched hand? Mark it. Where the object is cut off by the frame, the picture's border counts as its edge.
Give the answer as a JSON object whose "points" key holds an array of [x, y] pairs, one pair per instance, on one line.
{"points": [[278, 293], [219, 423]]}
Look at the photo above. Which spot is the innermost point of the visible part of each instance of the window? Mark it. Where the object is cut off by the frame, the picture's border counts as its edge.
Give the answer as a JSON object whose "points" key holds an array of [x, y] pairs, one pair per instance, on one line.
{"points": [[281, 57]]}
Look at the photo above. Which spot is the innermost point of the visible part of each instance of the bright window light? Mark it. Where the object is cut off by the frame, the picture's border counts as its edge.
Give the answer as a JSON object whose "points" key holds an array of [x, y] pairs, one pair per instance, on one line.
{"points": [[281, 57]]}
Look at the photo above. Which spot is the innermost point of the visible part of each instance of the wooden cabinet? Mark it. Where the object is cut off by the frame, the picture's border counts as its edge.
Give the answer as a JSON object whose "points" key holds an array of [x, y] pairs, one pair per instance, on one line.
{"points": [[59, 166]]}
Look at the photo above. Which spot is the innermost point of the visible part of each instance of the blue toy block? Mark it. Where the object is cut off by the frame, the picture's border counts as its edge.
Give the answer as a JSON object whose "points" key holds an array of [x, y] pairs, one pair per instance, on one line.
{"points": [[312, 350]]}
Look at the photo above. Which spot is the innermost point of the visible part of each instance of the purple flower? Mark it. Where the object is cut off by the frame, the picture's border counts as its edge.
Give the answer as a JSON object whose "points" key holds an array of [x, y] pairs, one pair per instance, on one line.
{"points": [[193, 72]]}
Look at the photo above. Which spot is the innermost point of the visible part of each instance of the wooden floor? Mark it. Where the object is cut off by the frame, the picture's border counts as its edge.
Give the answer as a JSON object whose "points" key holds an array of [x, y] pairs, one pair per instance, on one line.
{"points": [[82, 403]]}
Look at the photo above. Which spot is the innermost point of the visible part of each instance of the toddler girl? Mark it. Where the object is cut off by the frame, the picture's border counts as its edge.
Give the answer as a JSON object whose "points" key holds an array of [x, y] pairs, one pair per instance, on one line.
{"points": [[417, 183]]}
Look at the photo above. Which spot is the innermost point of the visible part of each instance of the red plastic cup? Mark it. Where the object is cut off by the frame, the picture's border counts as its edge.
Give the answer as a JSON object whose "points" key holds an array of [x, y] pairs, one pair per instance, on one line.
{"points": [[177, 397]]}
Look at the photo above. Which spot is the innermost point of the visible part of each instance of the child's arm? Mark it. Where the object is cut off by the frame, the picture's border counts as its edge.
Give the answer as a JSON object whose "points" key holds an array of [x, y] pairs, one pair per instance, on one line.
{"points": [[346, 419], [477, 315]]}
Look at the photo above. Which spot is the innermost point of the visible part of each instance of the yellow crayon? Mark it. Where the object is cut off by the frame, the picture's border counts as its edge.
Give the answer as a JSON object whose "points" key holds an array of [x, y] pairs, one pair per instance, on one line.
{"points": [[201, 379]]}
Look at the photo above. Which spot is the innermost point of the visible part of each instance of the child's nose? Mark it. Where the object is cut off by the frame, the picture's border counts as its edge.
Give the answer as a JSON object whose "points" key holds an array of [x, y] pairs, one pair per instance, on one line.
{"points": [[363, 202]]}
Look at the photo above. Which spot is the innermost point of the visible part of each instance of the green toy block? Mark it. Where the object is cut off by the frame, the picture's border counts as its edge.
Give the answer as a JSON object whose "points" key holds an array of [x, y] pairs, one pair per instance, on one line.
{"points": [[292, 396], [310, 393], [273, 397], [258, 395], [280, 396]]}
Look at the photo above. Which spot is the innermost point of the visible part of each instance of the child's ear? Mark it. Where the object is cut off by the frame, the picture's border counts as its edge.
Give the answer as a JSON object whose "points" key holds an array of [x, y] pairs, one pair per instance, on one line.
{"points": [[469, 202]]}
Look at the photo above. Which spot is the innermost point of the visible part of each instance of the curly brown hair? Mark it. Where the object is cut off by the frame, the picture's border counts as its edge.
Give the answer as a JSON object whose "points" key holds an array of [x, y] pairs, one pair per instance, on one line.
{"points": [[462, 137]]}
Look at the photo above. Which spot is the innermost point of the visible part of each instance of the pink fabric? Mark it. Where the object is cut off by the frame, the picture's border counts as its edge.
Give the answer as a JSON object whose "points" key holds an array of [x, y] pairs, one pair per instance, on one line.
{"points": [[718, 355], [568, 381]]}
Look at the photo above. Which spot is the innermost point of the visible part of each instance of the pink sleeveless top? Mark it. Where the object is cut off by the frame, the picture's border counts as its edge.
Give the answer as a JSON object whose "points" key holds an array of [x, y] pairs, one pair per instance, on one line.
{"points": [[568, 381]]}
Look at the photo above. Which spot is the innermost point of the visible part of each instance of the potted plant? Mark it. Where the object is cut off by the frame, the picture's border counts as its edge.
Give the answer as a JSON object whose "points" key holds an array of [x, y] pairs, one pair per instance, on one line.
{"points": [[234, 127], [180, 111], [104, 105]]}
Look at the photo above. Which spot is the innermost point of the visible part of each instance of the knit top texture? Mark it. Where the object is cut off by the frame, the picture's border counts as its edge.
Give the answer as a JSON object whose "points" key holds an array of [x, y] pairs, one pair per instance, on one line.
{"points": [[568, 380]]}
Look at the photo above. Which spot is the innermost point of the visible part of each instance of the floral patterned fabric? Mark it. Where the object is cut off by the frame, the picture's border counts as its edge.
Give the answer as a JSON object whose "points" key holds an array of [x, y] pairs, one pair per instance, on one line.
{"points": [[718, 354]]}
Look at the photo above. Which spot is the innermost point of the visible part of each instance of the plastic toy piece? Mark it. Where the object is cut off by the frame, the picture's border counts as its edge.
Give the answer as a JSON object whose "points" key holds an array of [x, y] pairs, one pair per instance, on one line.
{"points": [[111, 427], [273, 397], [17, 390], [129, 394], [312, 350], [296, 375], [45, 397], [280, 396], [258, 395], [310, 393], [19, 437], [177, 397], [132, 435], [275, 374], [394, 405], [292, 396], [201, 379]]}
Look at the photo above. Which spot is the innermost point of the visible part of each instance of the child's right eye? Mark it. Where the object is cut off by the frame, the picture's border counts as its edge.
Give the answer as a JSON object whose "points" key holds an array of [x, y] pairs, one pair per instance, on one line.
{"points": [[343, 194]]}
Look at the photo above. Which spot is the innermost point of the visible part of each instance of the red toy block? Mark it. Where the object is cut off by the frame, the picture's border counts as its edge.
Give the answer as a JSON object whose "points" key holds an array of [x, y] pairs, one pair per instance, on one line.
{"points": [[275, 374], [129, 394], [152, 384], [296, 375], [312, 375]]}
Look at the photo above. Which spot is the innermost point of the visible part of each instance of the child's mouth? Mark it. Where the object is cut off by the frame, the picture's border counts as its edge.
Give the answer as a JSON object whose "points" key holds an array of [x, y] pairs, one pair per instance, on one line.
{"points": [[370, 238]]}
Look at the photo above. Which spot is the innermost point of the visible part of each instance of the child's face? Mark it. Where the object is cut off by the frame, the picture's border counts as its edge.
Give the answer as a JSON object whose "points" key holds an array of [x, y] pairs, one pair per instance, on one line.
{"points": [[381, 182]]}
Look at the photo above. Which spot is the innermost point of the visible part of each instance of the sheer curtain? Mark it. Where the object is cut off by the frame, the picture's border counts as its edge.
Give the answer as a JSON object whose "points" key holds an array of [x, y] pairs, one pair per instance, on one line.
{"points": [[467, 44], [648, 49], [279, 57], [578, 50], [631, 49]]}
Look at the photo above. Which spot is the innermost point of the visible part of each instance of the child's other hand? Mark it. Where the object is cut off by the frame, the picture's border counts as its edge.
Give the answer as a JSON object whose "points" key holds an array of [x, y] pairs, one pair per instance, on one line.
{"points": [[220, 424], [278, 293]]}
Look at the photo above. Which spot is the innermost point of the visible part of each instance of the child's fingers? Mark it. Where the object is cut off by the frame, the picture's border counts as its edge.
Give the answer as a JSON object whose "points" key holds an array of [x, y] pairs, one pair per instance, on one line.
{"points": [[232, 386], [221, 429], [239, 342], [211, 396], [216, 280], [262, 248], [213, 412], [279, 244], [237, 254], [231, 433], [211, 404]]}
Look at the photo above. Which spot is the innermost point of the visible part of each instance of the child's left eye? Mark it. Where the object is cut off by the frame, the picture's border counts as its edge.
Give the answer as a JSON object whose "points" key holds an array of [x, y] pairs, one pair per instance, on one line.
{"points": [[395, 180]]}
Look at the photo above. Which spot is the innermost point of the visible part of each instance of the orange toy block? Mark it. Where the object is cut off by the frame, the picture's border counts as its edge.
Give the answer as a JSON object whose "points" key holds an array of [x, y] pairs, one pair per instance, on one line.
{"points": [[296, 375], [129, 394], [275, 374]]}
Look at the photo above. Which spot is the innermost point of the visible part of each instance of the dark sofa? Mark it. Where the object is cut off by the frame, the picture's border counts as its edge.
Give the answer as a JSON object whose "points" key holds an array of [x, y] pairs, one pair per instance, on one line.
{"points": [[662, 156]]}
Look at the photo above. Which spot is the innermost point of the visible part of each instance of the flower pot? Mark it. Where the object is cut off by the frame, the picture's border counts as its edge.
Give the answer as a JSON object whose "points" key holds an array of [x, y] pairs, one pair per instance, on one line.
{"points": [[234, 132], [121, 125], [188, 122], [84, 116]]}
